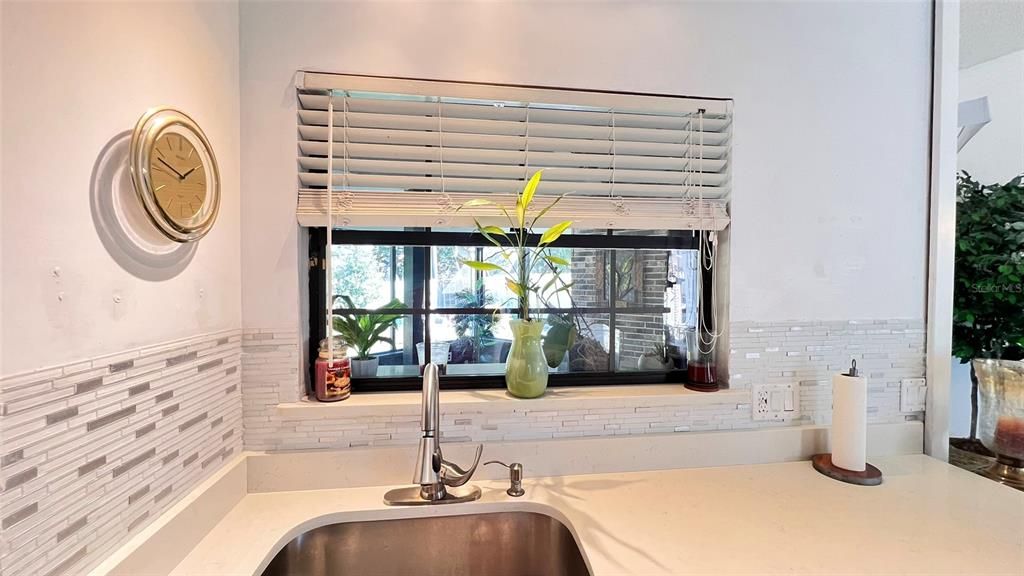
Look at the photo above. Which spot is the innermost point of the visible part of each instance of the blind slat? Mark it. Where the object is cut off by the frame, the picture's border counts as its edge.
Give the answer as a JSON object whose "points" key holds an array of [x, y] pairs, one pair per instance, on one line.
{"points": [[513, 157], [398, 183], [501, 127], [422, 209], [501, 142], [317, 103], [551, 174]]}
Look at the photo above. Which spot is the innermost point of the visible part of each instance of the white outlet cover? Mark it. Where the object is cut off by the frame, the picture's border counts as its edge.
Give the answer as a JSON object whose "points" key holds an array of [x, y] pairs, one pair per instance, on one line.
{"points": [[775, 402], [913, 394]]}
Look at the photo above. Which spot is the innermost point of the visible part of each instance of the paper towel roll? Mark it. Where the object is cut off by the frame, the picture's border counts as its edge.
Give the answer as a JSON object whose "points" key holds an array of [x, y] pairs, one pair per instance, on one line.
{"points": [[849, 421]]}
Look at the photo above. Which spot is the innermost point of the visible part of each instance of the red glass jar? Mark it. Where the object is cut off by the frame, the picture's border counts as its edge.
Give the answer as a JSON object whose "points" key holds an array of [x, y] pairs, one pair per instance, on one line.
{"points": [[333, 378], [701, 371]]}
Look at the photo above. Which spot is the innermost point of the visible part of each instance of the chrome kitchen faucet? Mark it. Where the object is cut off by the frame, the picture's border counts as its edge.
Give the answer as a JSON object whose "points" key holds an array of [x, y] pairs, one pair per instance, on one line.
{"points": [[434, 474]]}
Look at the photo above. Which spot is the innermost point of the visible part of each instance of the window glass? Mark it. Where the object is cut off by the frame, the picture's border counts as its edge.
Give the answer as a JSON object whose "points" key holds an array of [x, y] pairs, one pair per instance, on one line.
{"points": [[608, 309], [370, 275]]}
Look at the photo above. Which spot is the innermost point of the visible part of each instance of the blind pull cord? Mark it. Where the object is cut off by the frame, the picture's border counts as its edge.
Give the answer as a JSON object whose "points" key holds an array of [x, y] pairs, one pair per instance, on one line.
{"points": [[330, 228]]}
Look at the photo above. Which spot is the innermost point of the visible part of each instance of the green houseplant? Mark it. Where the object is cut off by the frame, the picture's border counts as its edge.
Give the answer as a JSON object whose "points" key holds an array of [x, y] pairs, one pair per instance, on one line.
{"points": [[526, 369], [475, 341], [988, 316], [364, 331]]}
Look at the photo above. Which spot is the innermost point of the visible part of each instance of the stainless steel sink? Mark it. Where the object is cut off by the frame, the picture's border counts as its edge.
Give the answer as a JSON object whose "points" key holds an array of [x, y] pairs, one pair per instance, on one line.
{"points": [[498, 544]]}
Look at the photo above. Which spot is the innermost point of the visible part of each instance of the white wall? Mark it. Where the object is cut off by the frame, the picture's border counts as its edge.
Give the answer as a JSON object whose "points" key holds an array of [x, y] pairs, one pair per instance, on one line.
{"points": [[75, 75], [996, 153], [1, 187], [831, 125]]}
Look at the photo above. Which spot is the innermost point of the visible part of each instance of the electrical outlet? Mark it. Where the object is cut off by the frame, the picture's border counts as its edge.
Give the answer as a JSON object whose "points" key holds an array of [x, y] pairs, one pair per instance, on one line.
{"points": [[913, 394], [775, 402], [760, 402]]}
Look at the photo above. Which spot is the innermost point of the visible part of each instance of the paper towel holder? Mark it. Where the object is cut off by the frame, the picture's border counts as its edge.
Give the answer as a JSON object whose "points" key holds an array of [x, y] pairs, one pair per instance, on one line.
{"points": [[870, 476], [853, 369]]}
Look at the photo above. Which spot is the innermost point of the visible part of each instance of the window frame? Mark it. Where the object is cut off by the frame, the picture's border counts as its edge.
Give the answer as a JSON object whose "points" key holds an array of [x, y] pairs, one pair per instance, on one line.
{"points": [[426, 238]]}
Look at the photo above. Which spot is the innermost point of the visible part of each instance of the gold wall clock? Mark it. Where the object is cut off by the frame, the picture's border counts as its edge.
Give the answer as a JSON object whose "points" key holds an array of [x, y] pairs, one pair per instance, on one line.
{"points": [[175, 174]]}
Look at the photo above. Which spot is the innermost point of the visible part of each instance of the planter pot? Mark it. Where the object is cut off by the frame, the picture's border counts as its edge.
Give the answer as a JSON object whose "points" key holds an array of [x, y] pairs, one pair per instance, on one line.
{"points": [[1001, 417], [439, 352], [653, 364], [526, 370], [560, 337], [365, 368]]}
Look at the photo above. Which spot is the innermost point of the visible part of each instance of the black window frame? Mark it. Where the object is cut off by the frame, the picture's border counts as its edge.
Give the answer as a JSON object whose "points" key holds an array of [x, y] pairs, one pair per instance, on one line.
{"points": [[427, 238]]}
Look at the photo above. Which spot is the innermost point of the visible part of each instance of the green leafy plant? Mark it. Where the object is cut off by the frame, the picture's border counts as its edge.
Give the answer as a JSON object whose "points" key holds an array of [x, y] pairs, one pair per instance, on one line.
{"points": [[480, 325], [519, 258], [988, 315], [475, 332], [364, 331]]}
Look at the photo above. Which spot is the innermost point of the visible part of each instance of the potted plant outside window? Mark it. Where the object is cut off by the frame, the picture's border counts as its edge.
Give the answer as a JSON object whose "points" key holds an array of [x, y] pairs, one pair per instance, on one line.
{"points": [[526, 369], [475, 340], [656, 359], [364, 331]]}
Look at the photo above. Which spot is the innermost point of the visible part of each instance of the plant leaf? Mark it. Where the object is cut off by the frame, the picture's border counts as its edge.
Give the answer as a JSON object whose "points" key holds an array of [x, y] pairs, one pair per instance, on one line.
{"points": [[493, 230], [563, 288], [514, 287], [530, 189], [475, 203], [549, 284], [482, 266], [549, 207], [554, 232], [489, 232], [556, 260]]}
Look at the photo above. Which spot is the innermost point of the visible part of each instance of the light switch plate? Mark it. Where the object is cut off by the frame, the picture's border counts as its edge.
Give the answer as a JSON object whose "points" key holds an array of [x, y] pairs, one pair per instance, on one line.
{"points": [[775, 402], [913, 394]]}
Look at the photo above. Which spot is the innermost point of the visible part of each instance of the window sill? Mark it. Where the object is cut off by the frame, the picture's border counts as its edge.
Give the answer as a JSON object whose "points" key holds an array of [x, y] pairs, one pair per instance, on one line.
{"points": [[556, 399]]}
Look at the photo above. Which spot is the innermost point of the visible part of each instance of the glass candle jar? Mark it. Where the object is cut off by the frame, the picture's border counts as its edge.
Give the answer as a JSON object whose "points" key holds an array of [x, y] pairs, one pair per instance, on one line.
{"points": [[701, 372], [333, 378], [1001, 418], [1001, 407]]}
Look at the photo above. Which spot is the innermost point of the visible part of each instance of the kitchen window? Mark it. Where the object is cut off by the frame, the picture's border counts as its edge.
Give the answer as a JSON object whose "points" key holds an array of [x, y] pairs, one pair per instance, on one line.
{"points": [[633, 294], [388, 162]]}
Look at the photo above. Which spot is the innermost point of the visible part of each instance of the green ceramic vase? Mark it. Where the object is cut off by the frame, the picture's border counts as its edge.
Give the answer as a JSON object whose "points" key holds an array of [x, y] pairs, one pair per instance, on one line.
{"points": [[526, 370]]}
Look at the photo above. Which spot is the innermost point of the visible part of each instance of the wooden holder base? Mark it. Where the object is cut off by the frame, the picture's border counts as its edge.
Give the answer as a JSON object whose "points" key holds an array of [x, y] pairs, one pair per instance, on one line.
{"points": [[871, 476]]}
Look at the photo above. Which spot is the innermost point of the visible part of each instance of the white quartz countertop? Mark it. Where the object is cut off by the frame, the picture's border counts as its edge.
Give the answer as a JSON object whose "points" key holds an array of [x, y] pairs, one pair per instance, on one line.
{"points": [[926, 518]]}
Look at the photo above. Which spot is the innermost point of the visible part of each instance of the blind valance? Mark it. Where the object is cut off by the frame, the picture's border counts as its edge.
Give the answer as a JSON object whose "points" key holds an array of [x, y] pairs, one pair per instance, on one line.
{"points": [[399, 152]]}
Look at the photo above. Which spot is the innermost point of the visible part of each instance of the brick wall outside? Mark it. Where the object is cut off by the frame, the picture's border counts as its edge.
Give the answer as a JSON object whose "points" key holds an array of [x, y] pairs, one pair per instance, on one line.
{"points": [[637, 333]]}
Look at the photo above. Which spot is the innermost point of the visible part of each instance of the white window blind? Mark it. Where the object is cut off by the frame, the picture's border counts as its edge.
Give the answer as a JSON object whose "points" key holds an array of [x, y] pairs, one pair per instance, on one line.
{"points": [[410, 152]]}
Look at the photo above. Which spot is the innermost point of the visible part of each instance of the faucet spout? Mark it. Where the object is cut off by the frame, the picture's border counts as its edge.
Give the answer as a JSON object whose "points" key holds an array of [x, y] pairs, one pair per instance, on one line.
{"points": [[429, 418]]}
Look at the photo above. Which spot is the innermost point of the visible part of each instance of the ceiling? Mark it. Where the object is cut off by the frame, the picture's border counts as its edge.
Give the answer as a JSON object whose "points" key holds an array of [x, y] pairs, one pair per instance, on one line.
{"points": [[990, 29]]}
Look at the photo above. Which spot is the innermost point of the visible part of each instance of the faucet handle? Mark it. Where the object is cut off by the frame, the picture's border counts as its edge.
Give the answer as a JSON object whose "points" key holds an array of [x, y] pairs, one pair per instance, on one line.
{"points": [[436, 460], [515, 476], [452, 475]]}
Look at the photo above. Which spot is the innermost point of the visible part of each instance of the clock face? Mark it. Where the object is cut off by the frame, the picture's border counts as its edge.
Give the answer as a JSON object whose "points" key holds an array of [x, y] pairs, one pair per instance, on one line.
{"points": [[178, 176], [175, 174]]}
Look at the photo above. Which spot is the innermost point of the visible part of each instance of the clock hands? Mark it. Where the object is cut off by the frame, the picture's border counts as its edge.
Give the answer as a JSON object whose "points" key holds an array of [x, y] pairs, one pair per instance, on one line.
{"points": [[180, 177], [179, 174]]}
